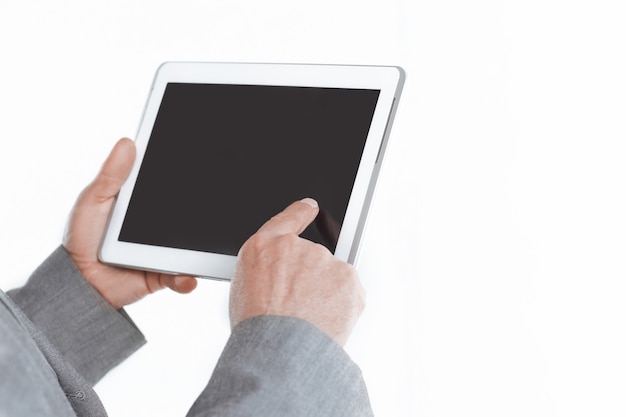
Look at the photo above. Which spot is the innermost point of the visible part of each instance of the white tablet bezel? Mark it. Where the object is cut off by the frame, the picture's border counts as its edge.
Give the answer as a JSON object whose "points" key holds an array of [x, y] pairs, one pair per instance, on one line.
{"points": [[389, 80]]}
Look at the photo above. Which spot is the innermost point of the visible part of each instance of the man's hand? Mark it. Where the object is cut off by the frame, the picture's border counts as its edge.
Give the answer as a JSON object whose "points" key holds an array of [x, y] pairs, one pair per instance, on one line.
{"points": [[86, 228], [280, 273]]}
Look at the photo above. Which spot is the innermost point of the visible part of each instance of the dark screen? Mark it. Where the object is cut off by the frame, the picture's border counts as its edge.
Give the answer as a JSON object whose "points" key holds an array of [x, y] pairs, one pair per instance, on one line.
{"points": [[223, 159]]}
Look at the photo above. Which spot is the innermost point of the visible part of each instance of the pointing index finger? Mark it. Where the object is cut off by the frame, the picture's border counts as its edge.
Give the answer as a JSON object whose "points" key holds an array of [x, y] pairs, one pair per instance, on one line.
{"points": [[294, 219]]}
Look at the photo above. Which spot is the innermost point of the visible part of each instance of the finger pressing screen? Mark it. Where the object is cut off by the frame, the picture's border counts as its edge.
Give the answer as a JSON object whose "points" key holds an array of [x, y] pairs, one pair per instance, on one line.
{"points": [[294, 219]]}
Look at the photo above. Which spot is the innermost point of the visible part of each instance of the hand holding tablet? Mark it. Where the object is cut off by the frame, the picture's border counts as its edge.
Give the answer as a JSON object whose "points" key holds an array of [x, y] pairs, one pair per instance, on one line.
{"points": [[87, 224], [224, 147]]}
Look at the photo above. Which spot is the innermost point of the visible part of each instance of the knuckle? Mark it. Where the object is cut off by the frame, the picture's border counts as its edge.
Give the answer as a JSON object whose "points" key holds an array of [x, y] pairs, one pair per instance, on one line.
{"points": [[320, 251], [254, 244], [286, 243], [103, 188], [290, 239], [255, 241], [263, 245]]}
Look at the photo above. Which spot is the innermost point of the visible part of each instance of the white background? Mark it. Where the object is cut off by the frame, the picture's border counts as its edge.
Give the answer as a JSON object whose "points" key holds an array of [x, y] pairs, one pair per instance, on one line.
{"points": [[495, 254]]}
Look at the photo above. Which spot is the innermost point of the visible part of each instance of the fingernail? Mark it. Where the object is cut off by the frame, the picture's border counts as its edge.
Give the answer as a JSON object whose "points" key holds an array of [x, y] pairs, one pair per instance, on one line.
{"points": [[310, 202]]}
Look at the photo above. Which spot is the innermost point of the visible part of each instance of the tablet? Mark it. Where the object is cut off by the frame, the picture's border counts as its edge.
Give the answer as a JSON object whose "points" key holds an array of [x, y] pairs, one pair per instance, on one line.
{"points": [[223, 147]]}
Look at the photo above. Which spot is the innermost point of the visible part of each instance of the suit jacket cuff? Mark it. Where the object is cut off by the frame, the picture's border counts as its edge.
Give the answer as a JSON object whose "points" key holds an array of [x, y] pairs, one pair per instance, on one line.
{"points": [[283, 366], [92, 335]]}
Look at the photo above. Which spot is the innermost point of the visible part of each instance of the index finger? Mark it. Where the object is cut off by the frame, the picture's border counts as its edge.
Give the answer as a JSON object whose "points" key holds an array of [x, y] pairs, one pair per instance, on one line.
{"points": [[294, 219]]}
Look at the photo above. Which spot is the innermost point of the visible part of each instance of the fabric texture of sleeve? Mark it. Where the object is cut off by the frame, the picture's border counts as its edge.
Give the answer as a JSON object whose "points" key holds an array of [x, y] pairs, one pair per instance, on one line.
{"points": [[283, 366], [92, 336], [28, 384]]}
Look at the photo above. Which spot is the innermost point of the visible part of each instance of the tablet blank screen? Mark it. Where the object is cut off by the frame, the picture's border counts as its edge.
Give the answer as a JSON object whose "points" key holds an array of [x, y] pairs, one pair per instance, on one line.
{"points": [[223, 159]]}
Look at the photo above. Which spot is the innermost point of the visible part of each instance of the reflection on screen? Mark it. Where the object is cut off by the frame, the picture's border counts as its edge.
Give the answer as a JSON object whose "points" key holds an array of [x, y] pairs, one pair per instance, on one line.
{"points": [[223, 159]]}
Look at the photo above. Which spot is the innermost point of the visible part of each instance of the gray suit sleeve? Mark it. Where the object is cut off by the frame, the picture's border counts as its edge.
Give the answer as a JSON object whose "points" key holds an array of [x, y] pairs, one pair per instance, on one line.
{"points": [[92, 335], [283, 366]]}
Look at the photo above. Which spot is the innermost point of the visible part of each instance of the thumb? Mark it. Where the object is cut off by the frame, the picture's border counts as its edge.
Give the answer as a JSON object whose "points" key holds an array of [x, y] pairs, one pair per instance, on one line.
{"points": [[88, 217], [114, 171]]}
